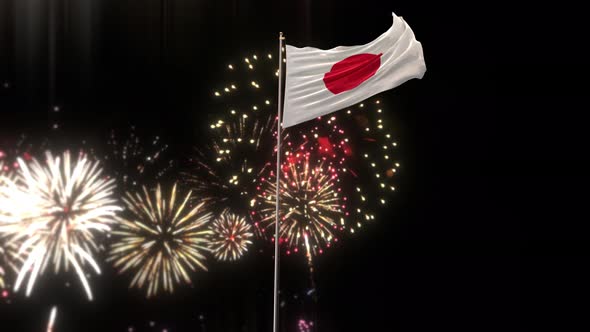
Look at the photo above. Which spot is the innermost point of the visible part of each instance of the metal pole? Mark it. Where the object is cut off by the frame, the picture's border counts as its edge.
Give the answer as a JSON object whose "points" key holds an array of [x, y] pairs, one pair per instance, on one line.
{"points": [[275, 317]]}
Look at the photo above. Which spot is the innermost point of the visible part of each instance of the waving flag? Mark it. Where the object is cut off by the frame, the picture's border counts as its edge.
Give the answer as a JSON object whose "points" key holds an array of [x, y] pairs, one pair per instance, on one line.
{"points": [[319, 82]]}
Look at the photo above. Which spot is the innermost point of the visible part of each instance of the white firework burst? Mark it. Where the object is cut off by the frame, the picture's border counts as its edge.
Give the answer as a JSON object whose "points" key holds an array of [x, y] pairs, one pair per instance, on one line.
{"points": [[160, 239], [55, 210], [231, 237]]}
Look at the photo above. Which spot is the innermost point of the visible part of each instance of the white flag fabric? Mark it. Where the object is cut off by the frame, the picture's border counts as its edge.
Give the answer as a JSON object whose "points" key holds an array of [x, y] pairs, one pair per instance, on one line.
{"points": [[319, 82]]}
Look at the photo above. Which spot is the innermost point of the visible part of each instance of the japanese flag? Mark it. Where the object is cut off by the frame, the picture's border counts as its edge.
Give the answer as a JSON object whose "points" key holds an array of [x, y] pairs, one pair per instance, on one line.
{"points": [[319, 82]]}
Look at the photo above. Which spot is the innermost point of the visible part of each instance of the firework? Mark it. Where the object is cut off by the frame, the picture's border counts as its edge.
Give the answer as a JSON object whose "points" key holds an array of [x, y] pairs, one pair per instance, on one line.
{"points": [[56, 210], [134, 159], [231, 236], [311, 207], [225, 174], [373, 169], [354, 143], [160, 239], [304, 326]]}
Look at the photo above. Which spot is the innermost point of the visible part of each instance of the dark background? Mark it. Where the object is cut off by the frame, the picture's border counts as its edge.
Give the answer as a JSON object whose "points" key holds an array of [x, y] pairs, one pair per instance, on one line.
{"points": [[477, 239]]}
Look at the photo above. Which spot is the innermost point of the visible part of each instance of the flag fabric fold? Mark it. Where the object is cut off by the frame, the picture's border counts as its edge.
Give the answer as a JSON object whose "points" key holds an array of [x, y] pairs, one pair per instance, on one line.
{"points": [[320, 82]]}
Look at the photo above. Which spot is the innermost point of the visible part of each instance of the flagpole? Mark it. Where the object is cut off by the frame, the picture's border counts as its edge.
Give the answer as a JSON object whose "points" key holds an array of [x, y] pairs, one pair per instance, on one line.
{"points": [[275, 318]]}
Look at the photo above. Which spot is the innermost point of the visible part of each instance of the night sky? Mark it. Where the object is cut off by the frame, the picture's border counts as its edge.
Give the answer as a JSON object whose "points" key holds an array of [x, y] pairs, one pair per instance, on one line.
{"points": [[449, 253]]}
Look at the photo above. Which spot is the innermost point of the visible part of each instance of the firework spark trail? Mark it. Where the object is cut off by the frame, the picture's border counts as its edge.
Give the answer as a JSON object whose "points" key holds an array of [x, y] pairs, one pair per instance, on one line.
{"points": [[160, 239], [55, 210], [309, 255], [231, 236], [9, 260], [6, 254], [52, 316]]}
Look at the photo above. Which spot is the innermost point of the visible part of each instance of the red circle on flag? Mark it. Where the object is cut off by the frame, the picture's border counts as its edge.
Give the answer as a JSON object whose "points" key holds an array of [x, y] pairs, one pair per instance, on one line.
{"points": [[349, 73]]}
